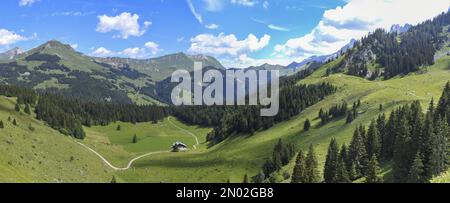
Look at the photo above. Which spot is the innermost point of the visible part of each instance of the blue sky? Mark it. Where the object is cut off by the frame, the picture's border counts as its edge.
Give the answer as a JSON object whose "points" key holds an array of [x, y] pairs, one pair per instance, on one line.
{"points": [[237, 32]]}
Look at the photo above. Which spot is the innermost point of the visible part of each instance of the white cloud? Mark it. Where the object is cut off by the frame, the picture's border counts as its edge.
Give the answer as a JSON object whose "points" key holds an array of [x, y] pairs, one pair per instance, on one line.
{"points": [[149, 49], [135, 52], [212, 26], [248, 3], [8, 37], [194, 12], [153, 47], [244, 61], [74, 46], [355, 20], [213, 5], [223, 45], [126, 24], [27, 2], [277, 28], [102, 52]]}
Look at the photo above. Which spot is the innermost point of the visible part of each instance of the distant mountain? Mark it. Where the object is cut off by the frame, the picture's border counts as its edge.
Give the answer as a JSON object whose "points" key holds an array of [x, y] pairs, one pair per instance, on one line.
{"points": [[320, 59], [58, 68], [11, 54], [162, 67], [400, 28]]}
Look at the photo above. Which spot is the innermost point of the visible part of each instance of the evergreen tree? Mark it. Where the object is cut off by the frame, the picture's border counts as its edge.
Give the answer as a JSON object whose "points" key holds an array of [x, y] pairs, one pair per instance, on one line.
{"points": [[17, 107], [311, 168], [27, 109], [118, 128], [357, 154], [9, 118], [1, 124], [438, 149], [299, 173], [113, 180], [245, 179], [307, 125], [373, 174], [14, 122], [259, 178], [135, 139], [331, 163], [373, 141], [416, 173], [402, 153]]}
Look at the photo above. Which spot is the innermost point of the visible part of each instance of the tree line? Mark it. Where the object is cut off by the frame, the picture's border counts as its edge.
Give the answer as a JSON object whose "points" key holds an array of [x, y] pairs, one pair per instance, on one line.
{"points": [[416, 143], [69, 114], [396, 53], [230, 120]]}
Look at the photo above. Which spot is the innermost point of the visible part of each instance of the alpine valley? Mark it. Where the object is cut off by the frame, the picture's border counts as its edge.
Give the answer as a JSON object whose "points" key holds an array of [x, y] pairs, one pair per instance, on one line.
{"points": [[378, 110]]}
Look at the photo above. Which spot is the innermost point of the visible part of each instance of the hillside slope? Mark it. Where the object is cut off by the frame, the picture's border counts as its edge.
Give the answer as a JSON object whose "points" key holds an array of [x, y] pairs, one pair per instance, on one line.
{"points": [[240, 155], [33, 152]]}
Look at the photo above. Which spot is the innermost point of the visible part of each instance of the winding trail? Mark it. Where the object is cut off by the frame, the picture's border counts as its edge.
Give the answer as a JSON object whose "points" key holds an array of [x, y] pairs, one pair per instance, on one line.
{"points": [[186, 131], [130, 163]]}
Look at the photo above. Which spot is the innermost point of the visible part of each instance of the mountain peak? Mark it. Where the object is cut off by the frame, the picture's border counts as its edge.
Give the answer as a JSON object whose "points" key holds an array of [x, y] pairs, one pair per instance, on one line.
{"points": [[11, 54]]}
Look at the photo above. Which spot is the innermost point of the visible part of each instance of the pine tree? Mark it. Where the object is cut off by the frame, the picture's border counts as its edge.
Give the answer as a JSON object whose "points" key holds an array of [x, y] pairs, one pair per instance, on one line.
{"points": [[402, 152], [311, 168], [298, 175], [17, 107], [416, 173], [307, 125], [331, 162], [259, 178], [342, 175], [135, 139], [1, 124], [14, 122], [118, 128], [373, 141], [245, 179], [357, 154], [9, 118], [113, 180], [373, 174], [27, 109], [438, 144]]}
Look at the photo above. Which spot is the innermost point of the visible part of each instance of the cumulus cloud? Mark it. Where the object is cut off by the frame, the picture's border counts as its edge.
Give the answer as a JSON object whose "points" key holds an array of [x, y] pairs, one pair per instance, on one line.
{"points": [[153, 47], [355, 20], [135, 52], [27, 2], [149, 49], [126, 24], [102, 52], [8, 37], [223, 45], [248, 3]]}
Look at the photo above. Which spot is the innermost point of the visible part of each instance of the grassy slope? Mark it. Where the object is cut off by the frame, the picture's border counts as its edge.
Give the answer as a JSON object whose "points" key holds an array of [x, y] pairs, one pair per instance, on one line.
{"points": [[245, 154], [42, 155]]}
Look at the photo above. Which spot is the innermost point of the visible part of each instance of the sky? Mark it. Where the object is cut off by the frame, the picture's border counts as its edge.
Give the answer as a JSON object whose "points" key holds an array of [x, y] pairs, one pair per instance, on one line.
{"points": [[239, 33]]}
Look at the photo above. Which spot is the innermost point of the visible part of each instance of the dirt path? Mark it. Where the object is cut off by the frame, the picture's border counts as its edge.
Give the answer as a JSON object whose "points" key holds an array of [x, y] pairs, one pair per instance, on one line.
{"points": [[130, 163]]}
